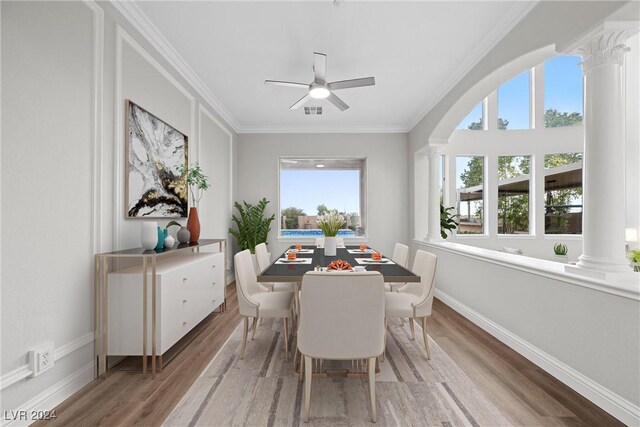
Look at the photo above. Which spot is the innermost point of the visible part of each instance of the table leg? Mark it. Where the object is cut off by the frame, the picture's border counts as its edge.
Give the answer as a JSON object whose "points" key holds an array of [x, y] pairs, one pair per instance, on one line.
{"points": [[144, 315], [105, 315], [96, 317], [153, 317]]}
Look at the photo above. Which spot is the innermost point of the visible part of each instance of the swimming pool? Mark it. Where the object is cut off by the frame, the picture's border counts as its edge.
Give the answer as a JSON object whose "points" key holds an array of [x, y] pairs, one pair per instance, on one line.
{"points": [[314, 233]]}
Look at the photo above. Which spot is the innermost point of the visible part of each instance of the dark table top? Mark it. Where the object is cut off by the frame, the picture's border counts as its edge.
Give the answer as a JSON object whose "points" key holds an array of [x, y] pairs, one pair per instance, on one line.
{"points": [[294, 272]]}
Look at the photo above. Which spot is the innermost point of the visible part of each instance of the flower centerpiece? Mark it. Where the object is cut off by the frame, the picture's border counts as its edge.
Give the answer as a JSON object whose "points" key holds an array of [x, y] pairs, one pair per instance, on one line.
{"points": [[330, 223], [634, 256]]}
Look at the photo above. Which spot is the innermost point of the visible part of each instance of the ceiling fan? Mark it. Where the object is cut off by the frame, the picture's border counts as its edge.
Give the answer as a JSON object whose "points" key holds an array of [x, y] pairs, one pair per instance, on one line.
{"points": [[319, 88]]}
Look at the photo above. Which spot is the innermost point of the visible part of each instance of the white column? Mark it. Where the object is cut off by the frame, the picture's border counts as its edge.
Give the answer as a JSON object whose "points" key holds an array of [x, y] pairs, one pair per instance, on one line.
{"points": [[603, 222], [433, 231]]}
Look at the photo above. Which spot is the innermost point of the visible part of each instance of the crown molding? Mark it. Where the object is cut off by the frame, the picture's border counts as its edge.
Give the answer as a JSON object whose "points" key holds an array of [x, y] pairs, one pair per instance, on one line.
{"points": [[323, 129], [136, 17], [509, 20]]}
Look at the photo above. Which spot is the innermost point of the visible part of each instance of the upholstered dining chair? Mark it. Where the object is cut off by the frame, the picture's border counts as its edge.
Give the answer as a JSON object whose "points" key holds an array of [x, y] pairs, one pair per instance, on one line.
{"points": [[341, 318], [400, 256], [254, 300], [414, 300], [319, 242], [263, 263]]}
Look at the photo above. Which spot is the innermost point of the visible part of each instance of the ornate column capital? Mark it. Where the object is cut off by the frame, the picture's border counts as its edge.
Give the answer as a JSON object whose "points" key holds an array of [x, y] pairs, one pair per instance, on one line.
{"points": [[606, 47]]}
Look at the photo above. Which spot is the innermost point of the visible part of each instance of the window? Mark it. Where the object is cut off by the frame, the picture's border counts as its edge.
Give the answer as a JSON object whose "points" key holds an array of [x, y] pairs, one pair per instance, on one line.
{"points": [[311, 187], [562, 91], [514, 103], [513, 194], [474, 120], [563, 193], [470, 194]]}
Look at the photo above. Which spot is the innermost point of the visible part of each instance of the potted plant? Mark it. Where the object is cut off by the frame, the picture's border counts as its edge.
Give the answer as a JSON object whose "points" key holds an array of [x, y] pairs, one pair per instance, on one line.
{"points": [[330, 223], [634, 256], [198, 183], [561, 252], [447, 221], [252, 226]]}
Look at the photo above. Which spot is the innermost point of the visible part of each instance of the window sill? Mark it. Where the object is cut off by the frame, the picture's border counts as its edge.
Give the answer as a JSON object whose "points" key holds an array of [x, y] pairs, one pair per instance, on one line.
{"points": [[541, 267], [563, 236], [472, 236], [516, 237], [357, 239]]}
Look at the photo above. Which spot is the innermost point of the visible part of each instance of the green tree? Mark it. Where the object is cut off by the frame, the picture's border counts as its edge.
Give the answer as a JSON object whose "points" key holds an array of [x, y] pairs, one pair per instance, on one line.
{"points": [[502, 124], [291, 215], [322, 209], [558, 201], [554, 119]]}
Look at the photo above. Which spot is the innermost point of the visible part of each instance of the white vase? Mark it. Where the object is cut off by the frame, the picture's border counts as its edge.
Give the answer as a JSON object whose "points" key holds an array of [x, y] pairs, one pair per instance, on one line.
{"points": [[149, 235], [169, 242], [562, 258], [330, 246]]}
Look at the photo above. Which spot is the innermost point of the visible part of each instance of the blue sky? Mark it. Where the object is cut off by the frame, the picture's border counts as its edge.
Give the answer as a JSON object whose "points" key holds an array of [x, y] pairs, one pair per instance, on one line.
{"points": [[306, 189], [562, 91]]}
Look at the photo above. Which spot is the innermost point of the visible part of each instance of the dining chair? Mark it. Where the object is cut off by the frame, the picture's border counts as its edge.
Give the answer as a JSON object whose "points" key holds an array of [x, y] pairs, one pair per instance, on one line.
{"points": [[263, 263], [400, 256], [341, 318], [254, 300], [319, 242], [414, 300]]}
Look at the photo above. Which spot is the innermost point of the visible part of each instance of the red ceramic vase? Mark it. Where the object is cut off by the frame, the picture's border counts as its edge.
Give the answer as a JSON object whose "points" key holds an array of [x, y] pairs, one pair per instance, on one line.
{"points": [[193, 225]]}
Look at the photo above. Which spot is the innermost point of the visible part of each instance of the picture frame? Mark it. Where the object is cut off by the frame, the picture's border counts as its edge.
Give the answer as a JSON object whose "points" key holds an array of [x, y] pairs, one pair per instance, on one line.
{"points": [[155, 188]]}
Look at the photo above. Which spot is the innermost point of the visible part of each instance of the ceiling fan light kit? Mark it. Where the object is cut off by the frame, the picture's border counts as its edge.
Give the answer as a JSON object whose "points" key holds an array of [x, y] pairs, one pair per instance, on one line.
{"points": [[319, 88]]}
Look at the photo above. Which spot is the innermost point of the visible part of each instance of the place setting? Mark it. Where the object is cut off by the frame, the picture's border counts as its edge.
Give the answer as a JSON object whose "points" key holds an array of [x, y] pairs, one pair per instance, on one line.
{"points": [[363, 249]]}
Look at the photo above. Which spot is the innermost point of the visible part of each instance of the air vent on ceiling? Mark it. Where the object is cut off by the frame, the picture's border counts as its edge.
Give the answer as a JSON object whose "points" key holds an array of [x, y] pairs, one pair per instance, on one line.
{"points": [[313, 111]]}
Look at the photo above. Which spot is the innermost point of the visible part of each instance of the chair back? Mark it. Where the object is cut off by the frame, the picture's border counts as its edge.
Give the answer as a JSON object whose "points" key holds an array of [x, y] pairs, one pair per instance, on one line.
{"points": [[246, 283], [263, 256], [319, 241], [341, 315], [400, 254], [424, 265]]}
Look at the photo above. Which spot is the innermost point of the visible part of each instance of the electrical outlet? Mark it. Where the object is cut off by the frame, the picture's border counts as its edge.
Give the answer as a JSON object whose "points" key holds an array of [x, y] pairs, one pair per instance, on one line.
{"points": [[41, 358]]}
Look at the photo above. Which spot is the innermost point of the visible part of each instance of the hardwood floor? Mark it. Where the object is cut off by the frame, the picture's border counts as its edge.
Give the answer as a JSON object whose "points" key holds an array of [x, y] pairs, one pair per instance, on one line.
{"points": [[525, 394]]}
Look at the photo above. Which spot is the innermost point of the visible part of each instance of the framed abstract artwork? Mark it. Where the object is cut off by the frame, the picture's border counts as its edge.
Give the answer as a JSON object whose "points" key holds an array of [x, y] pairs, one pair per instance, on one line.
{"points": [[157, 159]]}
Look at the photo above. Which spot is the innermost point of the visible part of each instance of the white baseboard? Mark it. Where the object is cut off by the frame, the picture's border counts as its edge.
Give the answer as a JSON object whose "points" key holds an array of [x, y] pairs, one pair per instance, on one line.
{"points": [[55, 395], [617, 406]]}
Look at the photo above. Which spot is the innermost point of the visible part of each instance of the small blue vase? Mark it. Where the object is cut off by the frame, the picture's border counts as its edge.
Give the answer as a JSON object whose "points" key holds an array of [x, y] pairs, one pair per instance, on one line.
{"points": [[162, 234]]}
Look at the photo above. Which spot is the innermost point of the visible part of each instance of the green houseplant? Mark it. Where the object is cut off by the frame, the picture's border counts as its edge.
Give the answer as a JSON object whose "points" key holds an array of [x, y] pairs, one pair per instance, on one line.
{"points": [[634, 256], [198, 183], [447, 221], [561, 252], [330, 223], [252, 226]]}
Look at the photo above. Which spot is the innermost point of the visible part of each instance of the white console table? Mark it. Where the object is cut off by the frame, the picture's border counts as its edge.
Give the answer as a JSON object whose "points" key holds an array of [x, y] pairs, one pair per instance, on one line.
{"points": [[149, 258]]}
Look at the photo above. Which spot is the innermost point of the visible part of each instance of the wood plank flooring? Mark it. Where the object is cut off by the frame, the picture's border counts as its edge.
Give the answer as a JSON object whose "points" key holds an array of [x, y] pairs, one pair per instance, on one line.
{"points": [[524, 394]]}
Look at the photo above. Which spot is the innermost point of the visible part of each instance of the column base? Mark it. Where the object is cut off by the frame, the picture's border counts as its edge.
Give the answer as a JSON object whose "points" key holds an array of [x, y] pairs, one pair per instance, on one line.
{"points": [[603, 269]]}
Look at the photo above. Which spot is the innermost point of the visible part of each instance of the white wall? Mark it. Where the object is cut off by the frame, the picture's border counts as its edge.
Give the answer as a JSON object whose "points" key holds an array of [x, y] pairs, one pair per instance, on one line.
{"points": [[67, 69], [387, 196], [587, 338]]}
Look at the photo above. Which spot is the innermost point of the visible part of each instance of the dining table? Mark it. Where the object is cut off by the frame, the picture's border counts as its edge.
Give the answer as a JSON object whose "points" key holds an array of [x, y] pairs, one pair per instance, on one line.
{"points": [[294, 270]]}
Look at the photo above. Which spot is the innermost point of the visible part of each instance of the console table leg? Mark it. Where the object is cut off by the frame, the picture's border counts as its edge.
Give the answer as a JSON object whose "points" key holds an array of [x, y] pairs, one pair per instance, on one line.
{"points": [[105, 314], [144, 315], [153, 317], [96, 290]]}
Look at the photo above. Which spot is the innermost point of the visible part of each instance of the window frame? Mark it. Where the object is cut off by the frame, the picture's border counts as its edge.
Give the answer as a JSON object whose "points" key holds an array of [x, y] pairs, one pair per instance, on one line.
{"points": [[485, 169], [364, 204]]}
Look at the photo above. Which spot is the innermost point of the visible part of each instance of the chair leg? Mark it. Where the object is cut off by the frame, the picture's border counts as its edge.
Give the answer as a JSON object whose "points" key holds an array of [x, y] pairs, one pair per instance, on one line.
{"points": [[385, 341], [301, 367], [254, 327], [425, 336], [413, 335], [285, 325], [244, 336], [371, 363], [308, 374]]}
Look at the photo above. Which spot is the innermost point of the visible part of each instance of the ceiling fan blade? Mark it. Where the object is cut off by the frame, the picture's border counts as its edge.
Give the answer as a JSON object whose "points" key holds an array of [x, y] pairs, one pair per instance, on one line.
{"points": [[301, 102], [337, 102], [346, 84], [290, 84], [320, 66]]}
